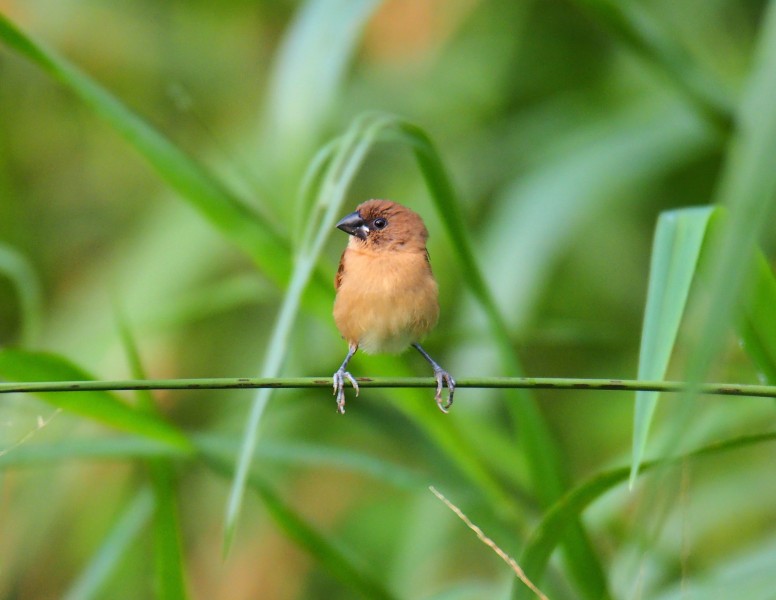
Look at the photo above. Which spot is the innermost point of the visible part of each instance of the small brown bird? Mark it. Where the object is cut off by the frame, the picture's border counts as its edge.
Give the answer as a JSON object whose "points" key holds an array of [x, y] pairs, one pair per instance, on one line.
{"points": [[387, 297]]}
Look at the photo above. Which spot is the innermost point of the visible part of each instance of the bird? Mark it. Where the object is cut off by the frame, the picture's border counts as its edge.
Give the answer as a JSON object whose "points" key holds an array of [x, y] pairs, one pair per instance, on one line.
{"points": [[386, 296]]}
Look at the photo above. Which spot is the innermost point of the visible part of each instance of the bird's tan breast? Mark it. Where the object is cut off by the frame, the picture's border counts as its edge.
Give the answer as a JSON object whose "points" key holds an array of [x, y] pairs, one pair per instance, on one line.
{"points": [[385, 301]]}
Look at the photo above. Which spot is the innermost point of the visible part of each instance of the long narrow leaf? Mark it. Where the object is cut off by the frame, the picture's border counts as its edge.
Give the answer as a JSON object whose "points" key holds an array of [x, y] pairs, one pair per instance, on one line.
{"points": [[677, 246], [748, 191], [338, 562], [252, 232], [115, 447], [124, 448], [127, 527], [548, 475], [20, 273], [168, 551], [645, 36], [308, 71], [554, 525], [103, 407], [446, 435], [757, 325], [541, 212], [341, 170]]}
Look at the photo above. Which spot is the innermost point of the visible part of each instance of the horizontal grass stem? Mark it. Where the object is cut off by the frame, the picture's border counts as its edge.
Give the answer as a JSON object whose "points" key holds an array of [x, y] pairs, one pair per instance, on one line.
{"points": [[547, 383]]}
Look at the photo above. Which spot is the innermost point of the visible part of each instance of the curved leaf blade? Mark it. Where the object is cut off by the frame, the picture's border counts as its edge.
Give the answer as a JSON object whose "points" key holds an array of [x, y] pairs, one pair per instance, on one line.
{"points": [[168, 550], [21, 274], [250, 230], [748, 191], [757, 325], [543, 453], [336, 560], [128, 526], [677, 246], [554, 525], [103, 407]]}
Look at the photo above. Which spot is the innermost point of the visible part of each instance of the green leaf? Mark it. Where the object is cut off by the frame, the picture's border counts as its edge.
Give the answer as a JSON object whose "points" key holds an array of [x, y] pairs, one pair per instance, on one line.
{"points": [[582, 177], [251, 231], [341, 170], [106, 559], [103, 407], [116, 447], [677, 246], [746, 573], [649, 39], [555, 523], [145, 399], [541, 450], [316, 456], [337, 561], [748, 191], [308, 71], [757, 325], [22, 276], [168, 550]]}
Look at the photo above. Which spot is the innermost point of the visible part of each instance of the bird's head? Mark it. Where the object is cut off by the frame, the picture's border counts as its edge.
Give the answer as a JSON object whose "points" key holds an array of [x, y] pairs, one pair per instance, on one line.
{"points": [[385, 225]]}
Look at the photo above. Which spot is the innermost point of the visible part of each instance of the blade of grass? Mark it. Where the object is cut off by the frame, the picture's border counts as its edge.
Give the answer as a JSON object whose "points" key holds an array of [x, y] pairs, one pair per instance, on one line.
{"points": [[17, 269], [341, 170], [456, 445], [254, 233], [334, 559], [168, 551], [553, 526], [540, 448], [748, 190], [107, 557], [462, 452], [748, 193], [544, 456], [679, 243], [746, 573], [225, 447], [757, 325], [105, 408], [582, 175], [170, 583], [342, 166], [648, 39], [111, 449], [307, 74], [318, 456], [675, 251]]}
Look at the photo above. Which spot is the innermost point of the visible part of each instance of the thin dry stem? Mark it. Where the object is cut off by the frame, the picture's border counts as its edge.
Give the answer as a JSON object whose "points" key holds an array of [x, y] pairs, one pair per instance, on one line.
{"points": [[490, 543], [41, 423]]}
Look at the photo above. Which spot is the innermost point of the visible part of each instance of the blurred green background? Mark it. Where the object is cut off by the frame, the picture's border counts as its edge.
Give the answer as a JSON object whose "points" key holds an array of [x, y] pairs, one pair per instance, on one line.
{"points": [[565, 139]]}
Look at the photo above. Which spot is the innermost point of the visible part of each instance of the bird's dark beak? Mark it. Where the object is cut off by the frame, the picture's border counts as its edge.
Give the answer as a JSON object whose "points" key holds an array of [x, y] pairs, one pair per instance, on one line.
{"points": [[353, 224]]}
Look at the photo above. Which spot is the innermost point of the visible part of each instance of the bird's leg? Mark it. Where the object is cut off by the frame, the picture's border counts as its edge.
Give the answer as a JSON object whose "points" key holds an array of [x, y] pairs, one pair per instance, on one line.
{"points": [[442, 378], [339, 380]]}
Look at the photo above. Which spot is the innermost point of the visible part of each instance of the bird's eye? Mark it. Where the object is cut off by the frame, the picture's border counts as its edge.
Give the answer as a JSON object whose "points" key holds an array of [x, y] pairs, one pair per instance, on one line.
{"points": [[380, 223]]}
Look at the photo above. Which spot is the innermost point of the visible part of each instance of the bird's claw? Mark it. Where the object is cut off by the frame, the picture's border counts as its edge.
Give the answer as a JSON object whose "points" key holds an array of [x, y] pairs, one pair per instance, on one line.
{"points": [[444, 378], [339, 388]]}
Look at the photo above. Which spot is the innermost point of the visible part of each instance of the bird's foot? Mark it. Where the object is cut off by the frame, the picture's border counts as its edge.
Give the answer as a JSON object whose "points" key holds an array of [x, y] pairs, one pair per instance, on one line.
{"points": [[444, 378], [339, 388]]}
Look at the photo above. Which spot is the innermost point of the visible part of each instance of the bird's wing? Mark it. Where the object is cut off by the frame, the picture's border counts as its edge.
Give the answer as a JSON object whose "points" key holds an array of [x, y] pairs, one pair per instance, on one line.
{"points": [[340, 272]]}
